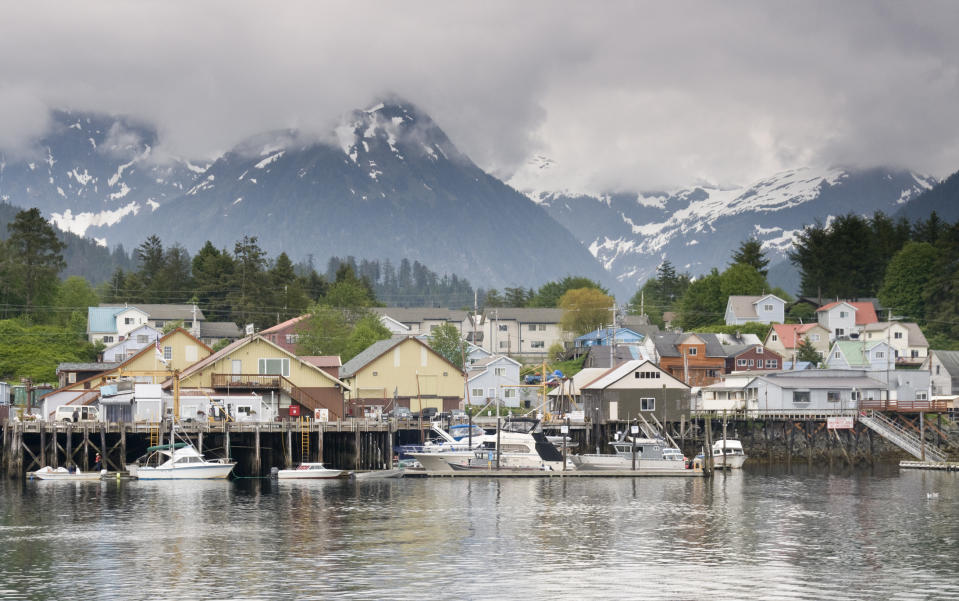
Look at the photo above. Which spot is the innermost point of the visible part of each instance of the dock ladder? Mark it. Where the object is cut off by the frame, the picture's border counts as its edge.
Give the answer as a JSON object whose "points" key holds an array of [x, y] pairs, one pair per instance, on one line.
{"points": [[154, 434], [304, 440]]}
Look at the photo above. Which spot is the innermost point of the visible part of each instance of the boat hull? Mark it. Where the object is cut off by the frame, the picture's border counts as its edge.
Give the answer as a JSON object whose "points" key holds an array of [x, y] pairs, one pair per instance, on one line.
{"points": [[311, 475], [733, 462], [198, 472], [52, 474], [618, 462]]}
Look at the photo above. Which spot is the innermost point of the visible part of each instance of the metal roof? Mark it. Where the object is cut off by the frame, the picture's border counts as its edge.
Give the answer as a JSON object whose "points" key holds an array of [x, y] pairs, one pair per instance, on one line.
{"points": [[786, 381], [85, 366], [949, 360], [102, 319], [219, 329], [163, 312], [421, 314], [667, 341], [369, 354], [916, 337]]}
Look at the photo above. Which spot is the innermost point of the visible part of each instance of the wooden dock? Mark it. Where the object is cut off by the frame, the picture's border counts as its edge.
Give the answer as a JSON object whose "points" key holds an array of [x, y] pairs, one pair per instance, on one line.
{"points": [[508, 473]]}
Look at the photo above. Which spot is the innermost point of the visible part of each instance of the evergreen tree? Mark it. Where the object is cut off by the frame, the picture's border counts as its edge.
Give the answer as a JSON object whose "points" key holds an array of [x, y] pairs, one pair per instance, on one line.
{"points": [[750, 252], [909, 275], [250, 282], [703, 303], [446, 341], [33, 259], [805, 351]]}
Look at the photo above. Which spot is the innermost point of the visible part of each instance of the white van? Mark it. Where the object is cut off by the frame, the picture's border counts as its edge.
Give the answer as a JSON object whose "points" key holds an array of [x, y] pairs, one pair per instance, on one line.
{"points": [[65, 413]]}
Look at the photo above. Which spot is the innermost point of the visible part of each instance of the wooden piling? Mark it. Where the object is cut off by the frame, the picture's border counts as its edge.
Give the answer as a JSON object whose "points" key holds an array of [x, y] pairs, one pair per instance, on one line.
{"points": [[226, 439], [389, 447], [103, 448], [356, 447], [256, 452], [43, 447], [123, 447], [289, 447], [86, 448], [319, 443]]}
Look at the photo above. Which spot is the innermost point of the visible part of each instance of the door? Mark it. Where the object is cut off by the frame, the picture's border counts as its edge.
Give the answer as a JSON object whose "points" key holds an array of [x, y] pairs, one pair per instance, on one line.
{"points": [[236, 369], [614, 411]]}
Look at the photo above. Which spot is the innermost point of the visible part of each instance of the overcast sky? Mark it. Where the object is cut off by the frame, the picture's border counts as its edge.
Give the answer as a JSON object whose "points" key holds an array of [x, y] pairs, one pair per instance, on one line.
{"points": [[621, 96]]}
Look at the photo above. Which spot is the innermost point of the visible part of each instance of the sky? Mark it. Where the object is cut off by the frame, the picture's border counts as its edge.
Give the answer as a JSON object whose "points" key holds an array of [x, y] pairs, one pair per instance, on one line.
{"points": [[618, 96]]}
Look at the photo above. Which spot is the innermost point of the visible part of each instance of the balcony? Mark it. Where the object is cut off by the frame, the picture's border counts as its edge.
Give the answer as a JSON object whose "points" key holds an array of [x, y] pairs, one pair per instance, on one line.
{"points": [[247, 381]]}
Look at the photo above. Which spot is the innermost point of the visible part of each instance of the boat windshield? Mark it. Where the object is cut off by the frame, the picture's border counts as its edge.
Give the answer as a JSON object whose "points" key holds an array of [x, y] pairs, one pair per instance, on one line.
{"points": [[520, 426], [463, 431]]}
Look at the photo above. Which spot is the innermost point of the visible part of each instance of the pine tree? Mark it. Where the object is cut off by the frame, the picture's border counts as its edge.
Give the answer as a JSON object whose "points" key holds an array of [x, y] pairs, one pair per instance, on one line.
{"points": [[750, 252], [34, 258]]}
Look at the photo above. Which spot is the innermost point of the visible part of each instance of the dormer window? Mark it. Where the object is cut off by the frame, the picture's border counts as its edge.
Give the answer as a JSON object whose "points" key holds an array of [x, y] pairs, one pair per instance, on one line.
{"points": [[843, 314], [759, 350], [692, 350]]}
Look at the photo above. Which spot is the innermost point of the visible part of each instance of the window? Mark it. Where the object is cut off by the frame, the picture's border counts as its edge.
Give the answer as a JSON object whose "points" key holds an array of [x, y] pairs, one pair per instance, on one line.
{"points": [[855, 395], [542, 327], [814, 337], [532, 327], [376, 373], [646, 374], [499, 371], [433, 328], [740, 363], [772, 363], [292, 338], [759, 350], [843, 314], [750, 362], [921, 396], [128, 321], [72, 376], [503, 328], [837, 355], [768, 308], [167, 353], [800, 396], [880, 355], [833, 396], [276, 367], [897, 335], [774, 337], [712, 373], [188, 324], [477, 393], [503, 343], [108, 339], [142, 339], [158, 324], [538, 344], [840, 332], [692, 350], [647, 404], [509, 393], [937, 370]]}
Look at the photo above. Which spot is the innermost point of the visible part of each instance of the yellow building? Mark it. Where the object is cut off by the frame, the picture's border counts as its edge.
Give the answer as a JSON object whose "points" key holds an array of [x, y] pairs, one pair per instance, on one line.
{"points": [[254, 364], [402, 370]]}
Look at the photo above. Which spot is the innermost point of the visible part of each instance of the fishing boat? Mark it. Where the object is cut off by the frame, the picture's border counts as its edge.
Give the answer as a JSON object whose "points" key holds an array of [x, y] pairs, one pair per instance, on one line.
{"points": [[62, 473], [311, 471], [460, 437], [649, 454], [728, 454], [178, 461], [517, 446]]}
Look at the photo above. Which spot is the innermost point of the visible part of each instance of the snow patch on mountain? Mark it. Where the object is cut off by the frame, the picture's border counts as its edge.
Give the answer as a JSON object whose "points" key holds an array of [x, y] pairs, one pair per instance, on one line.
{"points": [[79, 223]]}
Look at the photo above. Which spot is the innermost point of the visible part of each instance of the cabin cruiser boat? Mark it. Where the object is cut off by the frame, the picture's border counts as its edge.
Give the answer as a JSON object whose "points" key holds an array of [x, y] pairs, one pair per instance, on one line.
{"points": [[650, 453], [62, 473], [728, 454], [520, 447], [311, 471], [456, 439], [179, 461]]}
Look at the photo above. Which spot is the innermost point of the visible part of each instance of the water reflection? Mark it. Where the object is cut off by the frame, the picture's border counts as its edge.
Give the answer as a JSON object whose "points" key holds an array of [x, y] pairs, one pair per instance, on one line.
{"points": [[766, 532]]}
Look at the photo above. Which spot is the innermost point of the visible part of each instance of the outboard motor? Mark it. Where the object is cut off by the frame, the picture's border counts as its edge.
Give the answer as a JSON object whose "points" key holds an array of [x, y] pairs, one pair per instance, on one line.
{"points": [[275, 473]]}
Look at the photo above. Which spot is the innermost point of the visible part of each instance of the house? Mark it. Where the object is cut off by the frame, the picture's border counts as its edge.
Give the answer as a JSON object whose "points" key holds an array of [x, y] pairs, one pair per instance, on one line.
{"points": [[71, 373], [476, 353], [785, 338], [131, 344], [768, 308], [420, 320], [733, 393], [331, 364], [395, 327], [286, 335], [112, 322], [863, 354], [567, 396], [178, 350], [814, 390], [129, 402], [254, 365], [633, 388], [516, 331], [404, 371], [608, 336], [943, 368], [215, 332], [846, 319], [495, 379], [751, 357], [905, 338], [695, 359]]}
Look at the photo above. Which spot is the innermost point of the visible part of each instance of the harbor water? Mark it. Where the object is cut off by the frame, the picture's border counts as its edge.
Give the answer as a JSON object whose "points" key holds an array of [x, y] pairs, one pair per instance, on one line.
{"points": [[777, 532]]}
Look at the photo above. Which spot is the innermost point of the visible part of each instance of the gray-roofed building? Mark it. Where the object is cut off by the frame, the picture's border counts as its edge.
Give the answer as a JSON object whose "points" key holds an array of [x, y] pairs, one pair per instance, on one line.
{"points": [[525, 331], [768, 308], [212, 332], [71, 373], [494, 379], [906, 339], [814, 390], [943, 368], [633, 388], [423, 320], [696, 359]]}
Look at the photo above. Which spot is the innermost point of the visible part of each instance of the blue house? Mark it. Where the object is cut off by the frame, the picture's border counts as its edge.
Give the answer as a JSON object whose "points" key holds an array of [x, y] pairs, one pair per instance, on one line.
{"points": [[494, 379], [604, 337]]}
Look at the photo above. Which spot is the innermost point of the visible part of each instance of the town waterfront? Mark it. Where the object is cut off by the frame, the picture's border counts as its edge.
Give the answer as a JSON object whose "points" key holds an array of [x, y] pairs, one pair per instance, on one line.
{"points": [[767, 532]]}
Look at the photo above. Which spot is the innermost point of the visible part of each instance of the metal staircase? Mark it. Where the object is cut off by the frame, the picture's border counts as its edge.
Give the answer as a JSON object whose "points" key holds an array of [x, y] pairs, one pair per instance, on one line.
{"points": [[899, 436]]}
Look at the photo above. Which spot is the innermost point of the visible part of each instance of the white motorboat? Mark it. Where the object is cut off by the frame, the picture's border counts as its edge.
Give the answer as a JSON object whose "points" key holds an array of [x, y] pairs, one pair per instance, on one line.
{"points": [[650, 454], [460, 437], [180, 461], [520, 447], [62, 473], [728, 454], [311, 471]]}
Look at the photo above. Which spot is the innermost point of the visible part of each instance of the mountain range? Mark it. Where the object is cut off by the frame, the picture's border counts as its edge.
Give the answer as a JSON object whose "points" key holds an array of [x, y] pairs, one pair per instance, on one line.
{"points": [[388, 183]]}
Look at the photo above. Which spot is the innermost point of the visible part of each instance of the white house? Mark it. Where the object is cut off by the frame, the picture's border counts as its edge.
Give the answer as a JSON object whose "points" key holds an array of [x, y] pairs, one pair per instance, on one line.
{"points": [[395, 327], [846, 319], [494, 378], [943, 368], [906, 339], [110, 325], [516, 331], [762, 309], [815, 390], [131, 344], [862, 354]]}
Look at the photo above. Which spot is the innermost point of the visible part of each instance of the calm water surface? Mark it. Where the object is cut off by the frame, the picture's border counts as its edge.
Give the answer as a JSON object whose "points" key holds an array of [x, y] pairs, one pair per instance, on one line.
{"points": [[767, 532]]}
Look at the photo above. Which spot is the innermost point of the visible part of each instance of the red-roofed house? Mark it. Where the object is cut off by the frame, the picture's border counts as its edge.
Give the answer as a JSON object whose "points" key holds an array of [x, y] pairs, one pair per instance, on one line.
{"points": [[329, 363], [286, 335], [784, 338], [844, 318]]}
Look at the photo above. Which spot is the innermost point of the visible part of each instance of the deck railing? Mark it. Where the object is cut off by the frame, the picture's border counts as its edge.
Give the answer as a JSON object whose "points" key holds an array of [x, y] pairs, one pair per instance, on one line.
{"points": [[904, 406], [252, 381]]}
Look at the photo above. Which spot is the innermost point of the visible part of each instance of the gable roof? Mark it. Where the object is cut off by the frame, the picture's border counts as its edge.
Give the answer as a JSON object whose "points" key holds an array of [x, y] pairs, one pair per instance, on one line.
{"points": [[323, 360], [611, 376], [420, 314], [745, 306], [667, 341], [789, 333], [915, 335], [865, 311], [163, 312], [949, 360], [524, 314], [854, 351], [102, 319], [379, 348], [220, 329], [607, 334], [284, 325]]}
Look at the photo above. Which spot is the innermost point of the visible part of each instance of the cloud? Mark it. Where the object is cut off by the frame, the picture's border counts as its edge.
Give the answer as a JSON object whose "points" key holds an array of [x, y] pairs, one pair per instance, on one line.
{"points": [[632, 96]]}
